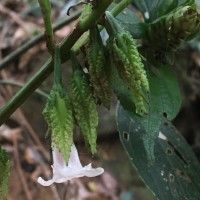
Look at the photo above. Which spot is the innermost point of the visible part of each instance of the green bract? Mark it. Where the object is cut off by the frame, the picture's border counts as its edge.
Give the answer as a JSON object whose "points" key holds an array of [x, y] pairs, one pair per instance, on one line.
{"points": [[58, 114], [4, 173], [99, 76], [84, 105], [169, 31], [128, 62]]}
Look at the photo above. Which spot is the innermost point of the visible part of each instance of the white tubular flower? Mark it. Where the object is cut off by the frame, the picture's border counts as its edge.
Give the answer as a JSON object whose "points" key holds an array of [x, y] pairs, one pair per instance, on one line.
{"points": [[62, 173]]}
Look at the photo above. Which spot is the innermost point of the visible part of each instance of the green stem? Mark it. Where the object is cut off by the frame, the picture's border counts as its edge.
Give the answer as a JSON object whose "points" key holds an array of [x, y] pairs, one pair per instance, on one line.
{"points": [[30, 43], [57, 66], [26, 91], [16, 84], [120, 6], [46, 13], [47, 68], [75, 64], [84, 25]]}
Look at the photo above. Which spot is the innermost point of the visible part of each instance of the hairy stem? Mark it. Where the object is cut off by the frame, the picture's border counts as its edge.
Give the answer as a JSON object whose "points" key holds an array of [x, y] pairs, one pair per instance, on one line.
{"points": [[46, 13]]}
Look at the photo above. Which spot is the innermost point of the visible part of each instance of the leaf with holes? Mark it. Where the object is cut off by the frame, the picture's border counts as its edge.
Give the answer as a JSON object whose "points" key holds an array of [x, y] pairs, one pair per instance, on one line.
{"points": [[175, 173], [164, 97]]}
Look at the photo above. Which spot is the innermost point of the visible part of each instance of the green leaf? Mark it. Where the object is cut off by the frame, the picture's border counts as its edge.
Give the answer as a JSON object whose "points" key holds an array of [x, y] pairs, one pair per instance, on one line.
{"points": [[153, 9], [175, 173], [4, 173], [165, 91], [197, 3], [132, 23], [58, 114], [186, 2], [164, 98]]}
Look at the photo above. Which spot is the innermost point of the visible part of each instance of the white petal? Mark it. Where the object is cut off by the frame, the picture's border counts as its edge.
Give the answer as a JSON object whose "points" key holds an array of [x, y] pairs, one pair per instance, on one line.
{"points": [[43, 182], [93, 172], [162, 136], [74, 160], [58, 160], [62, 173], [89, 166]]}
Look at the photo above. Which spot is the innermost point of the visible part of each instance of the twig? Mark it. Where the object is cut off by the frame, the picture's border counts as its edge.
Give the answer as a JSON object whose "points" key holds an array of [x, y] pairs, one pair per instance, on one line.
{"points": [[19, 170], [39, 38], [33, 134], [38, 91], [14, 16], [23, 121]]}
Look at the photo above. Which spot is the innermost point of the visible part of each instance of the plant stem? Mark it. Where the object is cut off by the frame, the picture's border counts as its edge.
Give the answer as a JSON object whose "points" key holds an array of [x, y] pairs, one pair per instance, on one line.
{"points": [[16, 84], [46, 13], [83, 26], [26, 91], [120, 6], [57, 66], [47, 68]]}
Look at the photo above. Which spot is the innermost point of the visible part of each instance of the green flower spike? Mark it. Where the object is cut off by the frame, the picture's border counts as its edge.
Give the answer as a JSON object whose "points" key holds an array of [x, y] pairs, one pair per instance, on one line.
{"points": [[128, 62], [99, 75], [84, 105], [58, 113]]}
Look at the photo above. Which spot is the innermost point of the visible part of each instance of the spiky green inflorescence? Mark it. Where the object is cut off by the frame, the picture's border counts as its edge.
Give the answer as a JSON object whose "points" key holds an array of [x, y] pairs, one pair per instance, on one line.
{"points": [[99, 75], [84, 106], [4, 173], [169, 31], [58, 114], [128, 62]]}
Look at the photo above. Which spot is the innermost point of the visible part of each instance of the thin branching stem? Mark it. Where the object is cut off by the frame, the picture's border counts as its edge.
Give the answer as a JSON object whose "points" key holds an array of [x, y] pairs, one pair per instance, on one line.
{"points": [[16, 84], [35, 40]]}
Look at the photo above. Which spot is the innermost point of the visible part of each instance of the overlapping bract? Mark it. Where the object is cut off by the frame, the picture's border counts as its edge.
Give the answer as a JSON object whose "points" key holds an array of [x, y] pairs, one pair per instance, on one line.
{"points": [[84, 106], [99, 76], [128, 62], [58, 114], [169, 31]]}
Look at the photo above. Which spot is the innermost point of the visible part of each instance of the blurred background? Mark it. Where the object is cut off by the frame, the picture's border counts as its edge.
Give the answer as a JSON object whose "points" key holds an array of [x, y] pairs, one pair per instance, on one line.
{"points": [[23, 135]]}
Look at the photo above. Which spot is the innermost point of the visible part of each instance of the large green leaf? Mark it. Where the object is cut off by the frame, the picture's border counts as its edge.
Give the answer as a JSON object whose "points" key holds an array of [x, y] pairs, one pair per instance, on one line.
{"points": [[153, 9], [175, 173], [197, 3], [164, 98], [165, 91], [131, 22]]}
